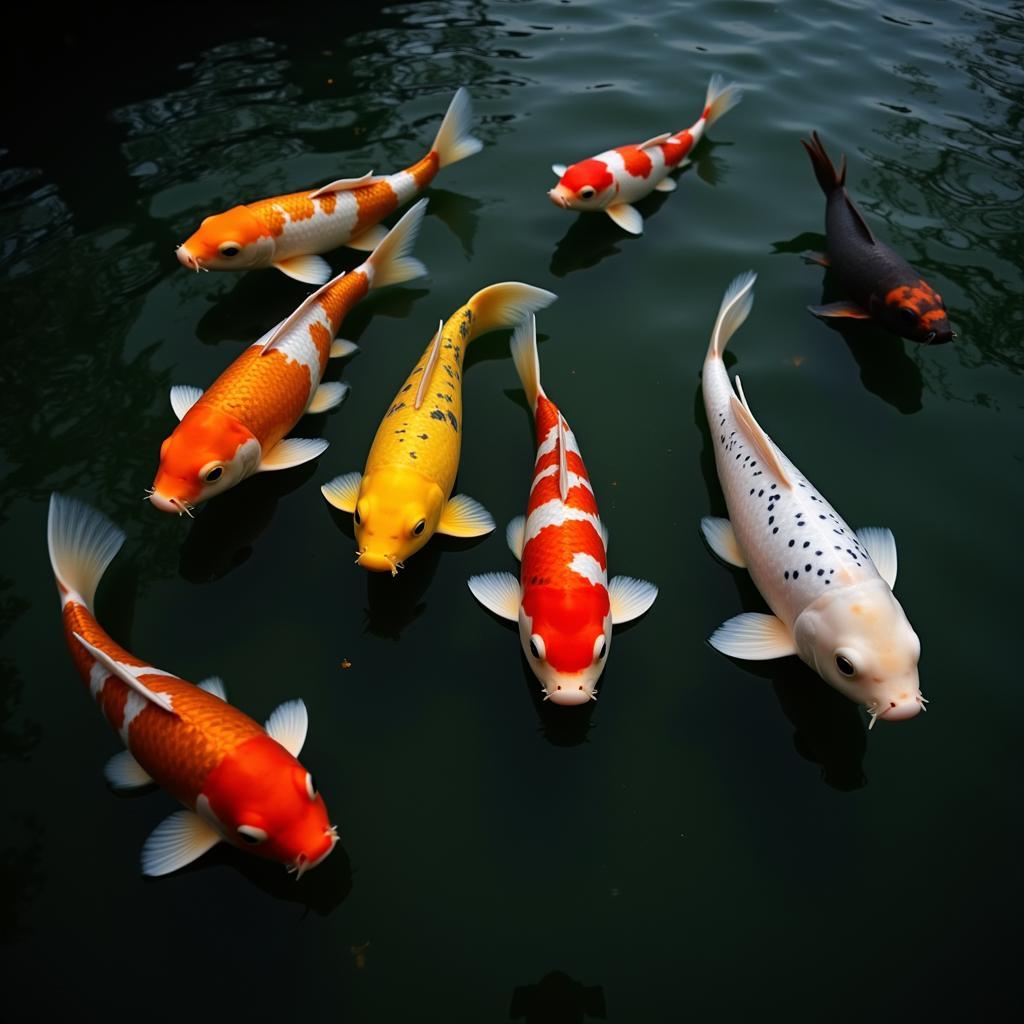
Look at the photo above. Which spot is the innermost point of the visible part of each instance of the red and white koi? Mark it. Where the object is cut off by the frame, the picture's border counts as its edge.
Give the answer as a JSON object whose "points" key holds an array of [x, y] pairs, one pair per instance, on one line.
{"points": [[563, 601], [242, 783], [237, 427], [615, 179], [288, 231]]}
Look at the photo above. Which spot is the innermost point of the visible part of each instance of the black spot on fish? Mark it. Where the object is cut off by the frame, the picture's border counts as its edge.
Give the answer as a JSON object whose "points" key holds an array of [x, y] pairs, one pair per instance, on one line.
{"points": [[786, 574], [795, 574], [807, 543], [422, 437], [775, 530], [807, 567], [818, 553], [821, 572], [771, 519], [437, 415], [454, 422], [760, 493], [792, 542], [406, 388], [412, 455]]}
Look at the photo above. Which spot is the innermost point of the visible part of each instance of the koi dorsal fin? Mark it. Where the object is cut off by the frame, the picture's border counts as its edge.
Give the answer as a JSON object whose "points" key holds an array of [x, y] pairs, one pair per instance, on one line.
{"points": [[656, 141], [344, 185], [859, 220], [563, 461], [431, 365], [760, 440], [129, 674]]}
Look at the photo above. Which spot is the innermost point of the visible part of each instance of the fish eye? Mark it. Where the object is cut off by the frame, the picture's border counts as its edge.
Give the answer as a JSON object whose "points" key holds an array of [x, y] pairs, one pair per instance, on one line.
{"points": [[600, 647], [311, 786], [229, 249], [252, 835], [845, 666], [358, 518], [587, 192], [537, 647], [213, 474], [909, 315], [419, 527]]}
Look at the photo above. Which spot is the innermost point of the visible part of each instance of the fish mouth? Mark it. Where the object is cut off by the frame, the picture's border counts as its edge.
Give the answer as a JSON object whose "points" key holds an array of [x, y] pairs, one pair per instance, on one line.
{"points": [[187, 260], [302, 863], [894, 712], [558, 198], [566, 696], [379, 563], [176, 505]]}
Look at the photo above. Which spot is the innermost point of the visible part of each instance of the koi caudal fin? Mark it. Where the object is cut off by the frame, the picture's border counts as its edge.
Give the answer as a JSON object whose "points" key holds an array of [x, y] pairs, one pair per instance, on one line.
{"points": [[720, 99], [82, 544], [391, 261], [524, 355], [828, 177], [453, 142], [736, 305], [505, 304]]}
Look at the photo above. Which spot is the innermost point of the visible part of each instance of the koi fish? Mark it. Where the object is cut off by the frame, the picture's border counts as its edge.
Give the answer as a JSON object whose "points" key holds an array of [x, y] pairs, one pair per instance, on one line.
{"points": [[615, 179], [288, 231], [563, 601], [829, 587], [881, 285], [241, 783], [237, 427], [403, 496]]}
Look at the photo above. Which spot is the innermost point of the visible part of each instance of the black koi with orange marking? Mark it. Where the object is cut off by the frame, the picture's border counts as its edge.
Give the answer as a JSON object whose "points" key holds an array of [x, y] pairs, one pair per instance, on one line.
{"points": [[880, 284]]}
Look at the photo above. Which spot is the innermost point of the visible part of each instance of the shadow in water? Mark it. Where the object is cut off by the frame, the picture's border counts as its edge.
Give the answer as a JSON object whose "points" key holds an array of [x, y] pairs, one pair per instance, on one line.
{"points": [[394, 602], [557, 999], [459, 213], [224, 530], [560, 726], [885, 368], [322, 890]]}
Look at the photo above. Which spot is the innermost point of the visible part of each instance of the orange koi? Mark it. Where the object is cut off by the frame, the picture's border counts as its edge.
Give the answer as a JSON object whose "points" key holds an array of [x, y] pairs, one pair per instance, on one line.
{"points": [[237, 427], [241, 783], [288, 231], [563, 600]]}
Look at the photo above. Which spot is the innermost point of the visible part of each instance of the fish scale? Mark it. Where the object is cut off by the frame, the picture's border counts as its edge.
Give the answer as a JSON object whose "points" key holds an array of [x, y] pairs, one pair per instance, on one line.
{"points": [[428, 439]]}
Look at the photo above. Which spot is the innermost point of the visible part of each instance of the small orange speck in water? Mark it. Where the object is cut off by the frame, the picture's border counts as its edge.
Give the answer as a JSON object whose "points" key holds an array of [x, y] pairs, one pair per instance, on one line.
{"points": [[798, 360], [345, 663], [330, 81], [359, 952]]}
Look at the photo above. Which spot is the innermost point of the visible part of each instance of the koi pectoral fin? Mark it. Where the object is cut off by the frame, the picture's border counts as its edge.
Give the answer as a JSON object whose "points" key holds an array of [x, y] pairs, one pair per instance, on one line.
{"points": [[464, 517], [722, 540], [183, 397], [845, 308], [627, 218], [880, 545], [666, 185], [124, 773], [343, 491], [327, 396], [177, 841], [293, 451], [820, 258], [515, 536], [630, 598], [753, 636], [308, 269], [498, 592]]}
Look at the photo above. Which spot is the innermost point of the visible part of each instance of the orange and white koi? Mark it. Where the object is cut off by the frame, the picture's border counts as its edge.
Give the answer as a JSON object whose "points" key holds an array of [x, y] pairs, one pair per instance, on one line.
{"points": [[563, 601], [615, 179], [236, 428], [242, 783], [288, 231], [403, 496]]}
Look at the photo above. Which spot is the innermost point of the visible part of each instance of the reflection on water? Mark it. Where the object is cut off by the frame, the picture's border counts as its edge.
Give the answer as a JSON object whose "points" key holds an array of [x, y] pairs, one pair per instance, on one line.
{"points": [[394, 602], [224, 530], [16, 739], [557, 999], [560, 726]]}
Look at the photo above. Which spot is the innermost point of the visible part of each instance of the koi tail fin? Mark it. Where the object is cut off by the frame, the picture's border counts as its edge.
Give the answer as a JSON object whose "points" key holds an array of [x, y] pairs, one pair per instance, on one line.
{"points": [[504, 305], [524, 355], [736, 305], [453, 142], [391, 261], [828, 178], [720, 99], [82, 544]]}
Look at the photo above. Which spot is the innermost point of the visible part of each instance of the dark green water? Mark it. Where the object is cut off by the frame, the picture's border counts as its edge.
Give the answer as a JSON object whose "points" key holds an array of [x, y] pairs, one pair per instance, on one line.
{"points": [[708, 842]]}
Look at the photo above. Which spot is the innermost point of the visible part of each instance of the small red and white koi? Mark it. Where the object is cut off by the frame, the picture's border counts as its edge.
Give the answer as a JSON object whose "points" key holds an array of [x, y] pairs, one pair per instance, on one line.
{"points": [[237, 427], [563, 601], [242, 783], [288, 231], [615, 179]]}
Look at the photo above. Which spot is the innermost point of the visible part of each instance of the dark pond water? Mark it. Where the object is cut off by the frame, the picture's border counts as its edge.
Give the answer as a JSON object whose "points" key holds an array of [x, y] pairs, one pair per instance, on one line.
{"points": [[708, 841]]}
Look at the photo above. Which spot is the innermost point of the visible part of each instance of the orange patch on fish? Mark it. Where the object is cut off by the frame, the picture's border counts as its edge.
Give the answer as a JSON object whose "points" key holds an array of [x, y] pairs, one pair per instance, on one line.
{"points": [[375, 201], [676, 148], [270, 216], [344, 295], [424, 171], [635, 160], [328, 203]]}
